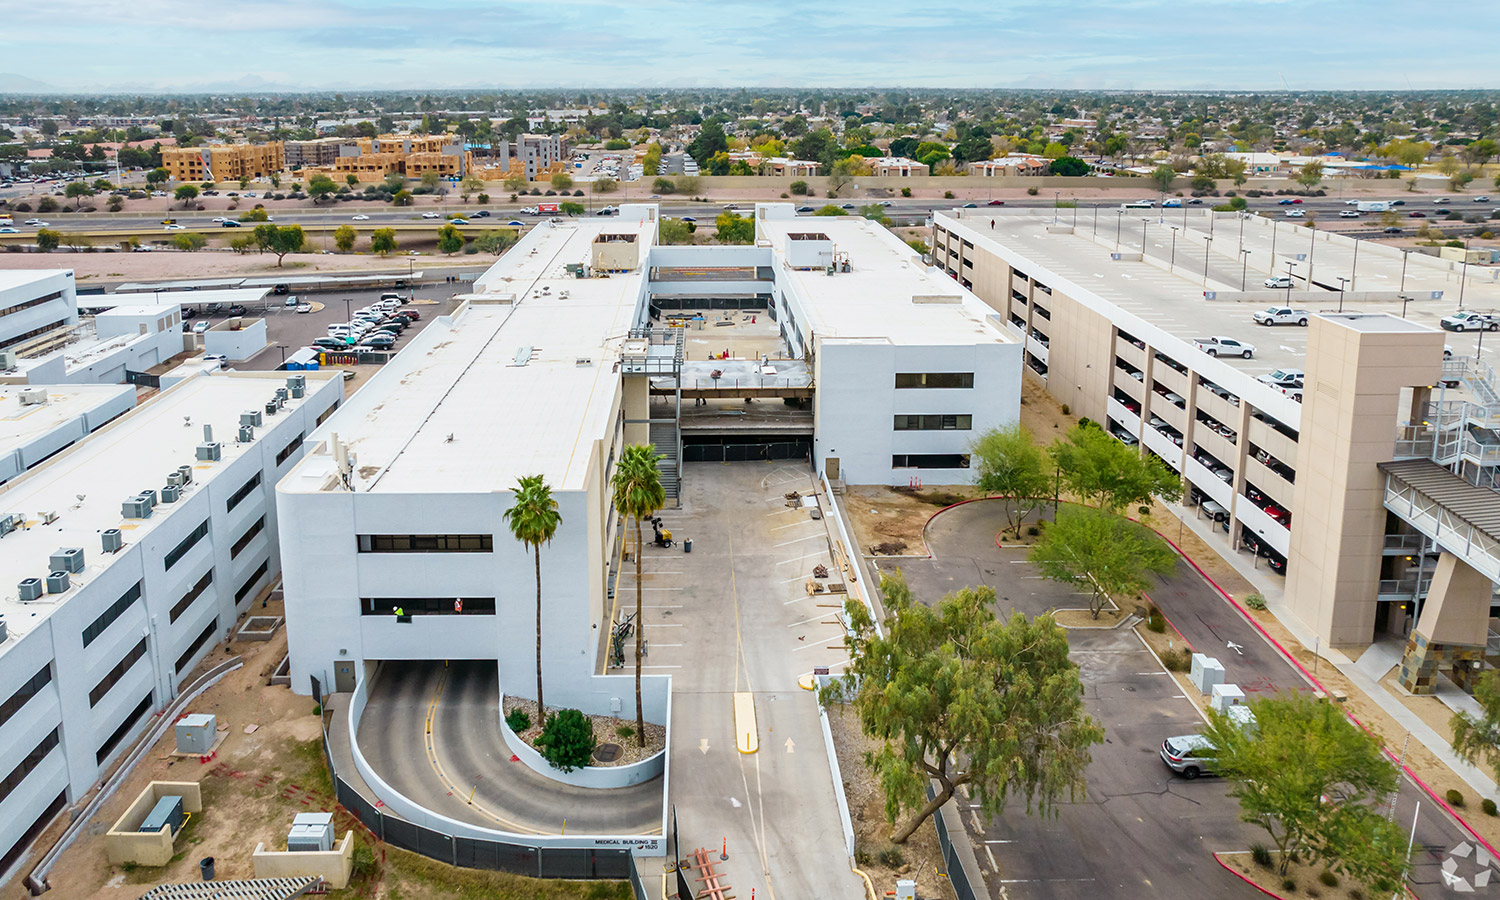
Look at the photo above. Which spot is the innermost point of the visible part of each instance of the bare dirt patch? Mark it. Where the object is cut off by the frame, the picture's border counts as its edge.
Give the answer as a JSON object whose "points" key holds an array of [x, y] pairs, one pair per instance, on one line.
{"points": [[920, 858], [1082, 618], [167, 264], [883, 517]]}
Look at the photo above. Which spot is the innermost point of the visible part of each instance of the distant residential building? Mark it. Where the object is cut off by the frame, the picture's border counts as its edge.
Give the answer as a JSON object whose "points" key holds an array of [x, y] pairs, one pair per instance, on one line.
{"points": [[540, 153], [780, 165], [897, 167], [222, 162], [1010, 165], [318, 152]]}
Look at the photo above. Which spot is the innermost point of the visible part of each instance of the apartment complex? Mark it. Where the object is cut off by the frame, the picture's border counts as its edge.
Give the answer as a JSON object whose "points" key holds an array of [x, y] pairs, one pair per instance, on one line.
{"points": [[223, 163], [539, 154], [126, 557], [34, 303], [1284, 436]]}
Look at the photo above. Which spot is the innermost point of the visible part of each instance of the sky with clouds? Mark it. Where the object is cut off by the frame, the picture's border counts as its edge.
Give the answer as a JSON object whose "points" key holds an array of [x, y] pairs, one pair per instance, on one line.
{"points": [[182, 45]]}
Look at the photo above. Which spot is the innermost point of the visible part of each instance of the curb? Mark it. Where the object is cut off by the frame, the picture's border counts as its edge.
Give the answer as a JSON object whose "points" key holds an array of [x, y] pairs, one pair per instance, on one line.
{"points": [[1231, 870]]}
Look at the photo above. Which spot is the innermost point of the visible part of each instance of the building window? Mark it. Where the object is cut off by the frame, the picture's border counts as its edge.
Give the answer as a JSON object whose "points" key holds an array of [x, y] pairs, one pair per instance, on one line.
{"points": [[30, 303], [248, 585], [247, 537], [187, 543], [323, 416], [244, 491], [934, 423], [930, 461], [196, 645], [21, 338], [427, 606], [28, 689], [116, 609], [426, 543], [23, 843], [291, 448], [119, 671], [193, 593], [113, 740], [29, 762], [934, 379]]}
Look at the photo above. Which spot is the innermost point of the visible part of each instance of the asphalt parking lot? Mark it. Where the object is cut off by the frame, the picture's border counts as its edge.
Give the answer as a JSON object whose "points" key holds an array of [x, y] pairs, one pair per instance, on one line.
{"points": [[288, 331], [1142, 830]]}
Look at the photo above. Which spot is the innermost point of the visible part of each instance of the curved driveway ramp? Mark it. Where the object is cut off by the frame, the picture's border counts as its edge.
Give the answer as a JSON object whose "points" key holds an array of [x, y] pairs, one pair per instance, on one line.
{"points": [[470, 756]]}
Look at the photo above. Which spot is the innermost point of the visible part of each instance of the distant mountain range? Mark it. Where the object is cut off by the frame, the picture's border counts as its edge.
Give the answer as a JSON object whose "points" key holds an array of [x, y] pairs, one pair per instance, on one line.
{"points": [[11, 83]]}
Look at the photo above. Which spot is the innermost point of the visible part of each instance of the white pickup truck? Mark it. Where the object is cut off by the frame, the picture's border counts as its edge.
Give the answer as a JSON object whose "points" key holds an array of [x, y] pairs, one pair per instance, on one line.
{"points": [[1215, 346], [1281, 315]]}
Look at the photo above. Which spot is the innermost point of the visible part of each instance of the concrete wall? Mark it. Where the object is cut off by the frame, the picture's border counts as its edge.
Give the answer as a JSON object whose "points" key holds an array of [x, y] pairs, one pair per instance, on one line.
{"points": [[590, 776], [333, 866], [42, 446], [63, 309], [123, 844], [242, 343]]}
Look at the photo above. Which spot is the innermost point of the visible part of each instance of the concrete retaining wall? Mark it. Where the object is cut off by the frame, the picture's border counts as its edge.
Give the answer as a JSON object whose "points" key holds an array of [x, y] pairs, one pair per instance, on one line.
{"points": [[333, 866], [590, 776], [124, 844]]}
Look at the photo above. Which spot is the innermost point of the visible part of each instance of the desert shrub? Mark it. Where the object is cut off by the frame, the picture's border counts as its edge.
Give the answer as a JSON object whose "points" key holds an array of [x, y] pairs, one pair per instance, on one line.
{"points": [[567, 740], [1328, 878], [1255, 602], [1488, 806], [891, 858], [1177, 660], [625, 732], [947, 195], [1261, 854], [362, 862], [518, 719], [1155, 621], [906, 192], [1455, 798], [1289, 884], [1032, 191]]}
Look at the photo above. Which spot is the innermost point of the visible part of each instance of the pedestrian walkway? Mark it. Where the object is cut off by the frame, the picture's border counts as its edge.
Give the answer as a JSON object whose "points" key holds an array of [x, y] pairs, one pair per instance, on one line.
{"points": [[1358, 672]]}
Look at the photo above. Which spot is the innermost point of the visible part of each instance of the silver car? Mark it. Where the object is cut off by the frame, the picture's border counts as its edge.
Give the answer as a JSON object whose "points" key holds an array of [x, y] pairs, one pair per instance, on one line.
{"points": [[1189, 755]]}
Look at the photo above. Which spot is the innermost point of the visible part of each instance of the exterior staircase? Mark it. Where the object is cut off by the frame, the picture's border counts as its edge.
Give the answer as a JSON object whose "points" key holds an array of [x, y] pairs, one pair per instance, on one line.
{"points": [[665, 436]]}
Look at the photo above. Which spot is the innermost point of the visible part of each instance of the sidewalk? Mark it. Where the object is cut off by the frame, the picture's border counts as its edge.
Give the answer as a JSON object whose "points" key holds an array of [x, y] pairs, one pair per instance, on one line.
{"points": [[1367, 674]]}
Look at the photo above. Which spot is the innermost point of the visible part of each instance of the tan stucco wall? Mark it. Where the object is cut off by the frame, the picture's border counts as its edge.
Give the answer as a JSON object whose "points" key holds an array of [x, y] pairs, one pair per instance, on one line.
{"points": [[123, 844], [1457, 608], [333, 866]]}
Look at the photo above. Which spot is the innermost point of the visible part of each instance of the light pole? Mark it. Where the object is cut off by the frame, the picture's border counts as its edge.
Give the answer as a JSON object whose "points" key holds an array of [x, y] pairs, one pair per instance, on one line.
{"points": [[1354, 266], [1172, 260], [1144, 223], [1289, 279], [1096, 220], [348, 309], [1312, 247], [1055, 195], [1463, 276], [1242, 231], [1119, 213], [1342, 281], [1272, 267], [282, 348], [1403, 276], [1244, 264], [1207, 242]]}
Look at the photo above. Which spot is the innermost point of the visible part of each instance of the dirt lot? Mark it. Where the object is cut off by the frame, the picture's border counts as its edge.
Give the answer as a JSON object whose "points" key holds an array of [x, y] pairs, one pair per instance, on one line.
{"points": [[889, 521], [251, 790], [167, 264], [876, 856]]}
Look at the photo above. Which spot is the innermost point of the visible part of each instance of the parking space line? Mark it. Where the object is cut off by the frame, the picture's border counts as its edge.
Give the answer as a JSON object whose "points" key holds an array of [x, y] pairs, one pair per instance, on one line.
{"points": [[821, 534], [823, 644], [794, 525], [813, 619]]}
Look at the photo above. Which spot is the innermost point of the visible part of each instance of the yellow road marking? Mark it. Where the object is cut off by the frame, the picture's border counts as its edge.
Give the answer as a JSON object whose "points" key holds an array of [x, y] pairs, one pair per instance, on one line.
{"points": [[745, 736]]}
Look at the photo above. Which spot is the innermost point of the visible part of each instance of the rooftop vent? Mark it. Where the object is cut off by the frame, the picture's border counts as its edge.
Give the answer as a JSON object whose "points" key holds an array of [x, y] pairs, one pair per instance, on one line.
{"points": [[210, 451], [67, 559], [187, 474], [112, 540], [30, 589], [583, 362], [33, 396]]}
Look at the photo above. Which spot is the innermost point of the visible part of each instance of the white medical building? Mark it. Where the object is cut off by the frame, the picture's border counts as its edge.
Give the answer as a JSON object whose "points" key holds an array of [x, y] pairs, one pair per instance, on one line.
{"points": [[128, 548], [553, 365], [34, 302]]}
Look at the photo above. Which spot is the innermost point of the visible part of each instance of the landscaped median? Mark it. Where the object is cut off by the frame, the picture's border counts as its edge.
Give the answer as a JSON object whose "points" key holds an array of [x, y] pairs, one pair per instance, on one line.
{"points": [[616, 761]]}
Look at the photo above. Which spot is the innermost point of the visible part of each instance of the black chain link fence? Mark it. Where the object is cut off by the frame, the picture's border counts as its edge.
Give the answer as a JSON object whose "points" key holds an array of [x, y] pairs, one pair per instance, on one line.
{"points": [[956, 875]]}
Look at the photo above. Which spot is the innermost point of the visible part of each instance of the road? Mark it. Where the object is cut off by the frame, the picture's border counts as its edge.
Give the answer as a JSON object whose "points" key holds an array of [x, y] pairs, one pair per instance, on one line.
{"points": [[1156, 829], [468, 752]]}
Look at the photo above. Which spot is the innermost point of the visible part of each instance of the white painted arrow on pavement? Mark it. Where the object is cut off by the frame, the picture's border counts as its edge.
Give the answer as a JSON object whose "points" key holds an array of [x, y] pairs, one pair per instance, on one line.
{"points": [[703, 745], [789, 745]]}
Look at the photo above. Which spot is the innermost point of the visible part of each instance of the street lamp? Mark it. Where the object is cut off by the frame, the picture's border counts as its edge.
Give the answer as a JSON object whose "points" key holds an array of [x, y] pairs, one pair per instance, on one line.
{"points": [[1404, 254], [282, 348], [1118, 214], [1342, 281], [1244, 265], [1144, 223], [348, 309], [1055, 195], [1274, 223], [1354, 266], [1463, 276], [1207, 242], [1172, 260]]}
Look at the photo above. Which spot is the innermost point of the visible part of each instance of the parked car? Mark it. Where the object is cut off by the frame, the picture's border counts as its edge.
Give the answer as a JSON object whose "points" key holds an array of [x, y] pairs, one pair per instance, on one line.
{"points": [[1279, 282], [221, 359], [330, 343], [1282, 378], [237, 309], [409, 313], [201, 326], [304, 307], [1189, 755], [1215, 346], [379, 341]]}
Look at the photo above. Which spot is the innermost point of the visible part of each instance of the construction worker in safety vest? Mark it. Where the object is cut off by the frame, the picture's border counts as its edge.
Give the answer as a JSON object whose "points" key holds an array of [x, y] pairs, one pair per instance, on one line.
{"points": [[458, 605], [399, 613]]}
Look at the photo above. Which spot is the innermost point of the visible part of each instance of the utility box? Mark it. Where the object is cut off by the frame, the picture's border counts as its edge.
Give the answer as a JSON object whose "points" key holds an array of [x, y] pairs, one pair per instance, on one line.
{"points": [[1225, 696], [196, 733], [906, 889], [166, 812], [311, 833], [1206, 673], [1241, 716]]}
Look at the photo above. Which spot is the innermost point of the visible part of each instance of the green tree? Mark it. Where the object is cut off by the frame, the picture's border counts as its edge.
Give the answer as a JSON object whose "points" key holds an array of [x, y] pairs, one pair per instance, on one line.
{"points": [[190, 241], [242, 244], [663, 186], [351, 179], [1476, 739], [1481, 151], [483, 198], [78, 190], [47, 239], [187, 193], [1099, 469], [931, 153], [383, 241], [828, 209], [841, 175], [561, 181], [430, 179], [571, 208], [275, 179], [393, 183], [401, 198], [258, 214], [567, 740], [515, 183], [675, 231], [605, 186], [710, 140], [1203, 183], [495, 242], [1162, 177], [1069, 166], [449, 239], [279, 240], [799, 188], [116, 203], [344, 237], [321, 187], [1008, 462], [533, 520], [1310, 174], [1448, 164], [1305, 774], [734, 228], [637, 495], [950, 680], [157, 177], [1110, 554]]}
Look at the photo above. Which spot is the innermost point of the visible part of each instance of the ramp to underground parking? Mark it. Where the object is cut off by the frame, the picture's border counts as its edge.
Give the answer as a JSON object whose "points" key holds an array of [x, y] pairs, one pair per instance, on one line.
{"points": [[431, 731]]}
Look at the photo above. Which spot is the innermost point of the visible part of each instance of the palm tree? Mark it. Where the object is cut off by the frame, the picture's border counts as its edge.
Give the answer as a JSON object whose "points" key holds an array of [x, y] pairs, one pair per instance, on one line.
{"points": [[533, 521], [638, 495]]}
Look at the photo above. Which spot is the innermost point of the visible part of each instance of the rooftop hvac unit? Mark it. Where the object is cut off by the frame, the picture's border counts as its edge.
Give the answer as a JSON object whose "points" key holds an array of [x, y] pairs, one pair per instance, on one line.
{"points": [[135, 508], [48, 516], [57, 583], [174, 479], [30, 589], [171, 493], [250, 417], [247, 434], [7, 360], [11, 522], [3, 632], [196, 732], [67, 559], [33, 396], [187, 474], [210, 451], [112, 540], [166, 813], [149, 496], [281, 395], [311, 832], [271, 407], [297, 384]]}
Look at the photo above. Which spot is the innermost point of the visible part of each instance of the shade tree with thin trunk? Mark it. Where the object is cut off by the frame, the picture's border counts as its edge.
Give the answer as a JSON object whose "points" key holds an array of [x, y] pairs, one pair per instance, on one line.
{"points": [[1100, 470], [1009, 463], [1110, 556]]}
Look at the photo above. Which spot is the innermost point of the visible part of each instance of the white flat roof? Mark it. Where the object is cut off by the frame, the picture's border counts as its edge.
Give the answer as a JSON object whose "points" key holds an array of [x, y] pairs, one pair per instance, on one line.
{"points": [[20, 425], [875, 298], [14, 278], [132, 454], [498, 392]]}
